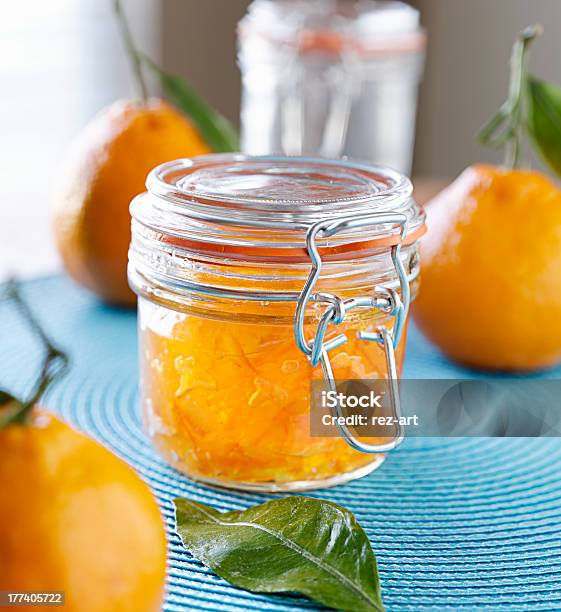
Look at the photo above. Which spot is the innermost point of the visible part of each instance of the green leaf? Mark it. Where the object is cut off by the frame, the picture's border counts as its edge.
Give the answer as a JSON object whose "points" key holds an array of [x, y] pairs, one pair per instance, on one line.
{"points": [[544, 120], [10, 409], [6, 398], [216, 130], [294, 544]]}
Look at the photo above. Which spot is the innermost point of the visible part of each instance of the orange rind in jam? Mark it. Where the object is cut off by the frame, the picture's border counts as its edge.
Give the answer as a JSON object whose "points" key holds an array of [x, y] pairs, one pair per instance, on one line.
{"points": [[229, 401]]}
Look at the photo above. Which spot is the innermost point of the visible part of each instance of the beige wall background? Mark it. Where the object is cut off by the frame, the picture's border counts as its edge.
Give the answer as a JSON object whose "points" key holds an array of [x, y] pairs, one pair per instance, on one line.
{"points": [[199, 42], [467, 73], [466, 76]]}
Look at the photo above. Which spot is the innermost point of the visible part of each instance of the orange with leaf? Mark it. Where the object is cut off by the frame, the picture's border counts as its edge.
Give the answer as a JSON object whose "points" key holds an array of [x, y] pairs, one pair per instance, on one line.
{"points": [[107, 167], [490, 292], [73, 516]]}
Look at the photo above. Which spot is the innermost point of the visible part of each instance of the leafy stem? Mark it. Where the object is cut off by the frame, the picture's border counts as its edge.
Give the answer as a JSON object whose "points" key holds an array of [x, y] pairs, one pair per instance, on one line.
{"points": [[215, 129], [132, 52], [55, 362], [506, 127]]}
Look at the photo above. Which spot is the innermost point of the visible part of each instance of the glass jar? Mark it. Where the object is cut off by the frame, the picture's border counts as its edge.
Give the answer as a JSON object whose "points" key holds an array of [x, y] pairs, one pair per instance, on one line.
{"points": [[331, 78], [255, 276]]}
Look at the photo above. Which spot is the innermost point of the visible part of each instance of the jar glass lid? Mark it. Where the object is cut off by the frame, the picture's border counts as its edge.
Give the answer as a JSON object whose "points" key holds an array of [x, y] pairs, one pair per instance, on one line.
{"points": [[270, 202]]}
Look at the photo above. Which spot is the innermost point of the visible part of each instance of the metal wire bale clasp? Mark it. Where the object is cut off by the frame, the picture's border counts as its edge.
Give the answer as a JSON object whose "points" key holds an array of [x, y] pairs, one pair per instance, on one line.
{"points": [[383, 299]]}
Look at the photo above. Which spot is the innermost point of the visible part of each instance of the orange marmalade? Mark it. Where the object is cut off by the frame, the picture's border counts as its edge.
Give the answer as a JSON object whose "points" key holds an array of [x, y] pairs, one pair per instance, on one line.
{"points": [[245, 265]]}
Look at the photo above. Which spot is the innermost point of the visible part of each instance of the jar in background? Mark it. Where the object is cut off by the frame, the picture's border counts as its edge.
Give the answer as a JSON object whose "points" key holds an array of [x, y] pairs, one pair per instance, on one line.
{"points": [[248, 272], [331, 78]]}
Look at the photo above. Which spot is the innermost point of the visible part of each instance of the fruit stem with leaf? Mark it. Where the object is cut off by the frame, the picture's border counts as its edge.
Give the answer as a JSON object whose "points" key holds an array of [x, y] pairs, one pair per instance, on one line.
{"points": [[506, 127], [55, 364], [220, 135]]}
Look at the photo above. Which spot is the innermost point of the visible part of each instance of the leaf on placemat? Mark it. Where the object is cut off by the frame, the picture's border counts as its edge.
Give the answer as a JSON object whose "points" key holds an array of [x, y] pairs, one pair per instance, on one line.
{"points": [[216, 130], [294, 544], [544, 120]]}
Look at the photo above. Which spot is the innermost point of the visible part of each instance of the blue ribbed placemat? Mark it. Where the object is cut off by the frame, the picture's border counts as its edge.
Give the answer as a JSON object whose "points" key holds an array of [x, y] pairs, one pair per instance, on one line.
{"points": [[456, 524]]}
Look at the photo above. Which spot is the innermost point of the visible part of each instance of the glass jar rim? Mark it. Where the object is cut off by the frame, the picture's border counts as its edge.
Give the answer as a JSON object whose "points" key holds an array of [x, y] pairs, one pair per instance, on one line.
{"points": [[212, 222], [237, 200], [368, 28]]}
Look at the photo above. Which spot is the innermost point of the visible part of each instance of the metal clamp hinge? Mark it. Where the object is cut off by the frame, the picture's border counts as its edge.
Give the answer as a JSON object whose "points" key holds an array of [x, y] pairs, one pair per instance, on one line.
{"points": [[388, 301]]}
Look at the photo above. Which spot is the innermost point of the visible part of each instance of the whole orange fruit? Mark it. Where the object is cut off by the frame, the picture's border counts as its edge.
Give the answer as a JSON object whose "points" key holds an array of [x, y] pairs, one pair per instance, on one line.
{"points": [[106, 169], [75, 518], [490, 293]]}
